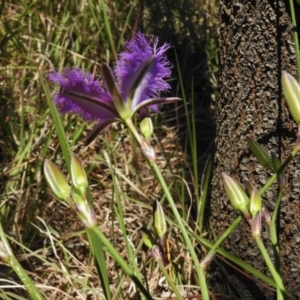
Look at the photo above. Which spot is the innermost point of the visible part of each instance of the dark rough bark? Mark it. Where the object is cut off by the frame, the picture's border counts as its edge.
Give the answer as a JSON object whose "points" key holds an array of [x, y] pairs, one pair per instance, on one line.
{"points": [[256, 44]]}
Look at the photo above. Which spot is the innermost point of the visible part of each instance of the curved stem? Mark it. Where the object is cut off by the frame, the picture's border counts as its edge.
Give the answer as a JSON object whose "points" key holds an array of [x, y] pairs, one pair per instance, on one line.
{"points": [[224, 236], [147, 149], [113, 252], [274, 240], [276, 276], [273, 232], [199, 270]]}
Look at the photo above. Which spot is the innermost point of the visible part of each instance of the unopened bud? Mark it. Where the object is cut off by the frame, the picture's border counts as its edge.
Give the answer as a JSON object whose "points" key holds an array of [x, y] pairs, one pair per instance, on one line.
{"points": [[260, 153], [237, 196], [291, 91], [159, 219], [256, 224], [146, 127], [57, 181], [255, 202], [147, 150], [85, 211], [147, 237], [156, 253], [78, 176], [266, 215]]}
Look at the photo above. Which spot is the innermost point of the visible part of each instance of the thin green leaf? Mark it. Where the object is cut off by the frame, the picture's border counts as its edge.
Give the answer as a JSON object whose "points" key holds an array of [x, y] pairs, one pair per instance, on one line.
{"points": [[58, 124]]}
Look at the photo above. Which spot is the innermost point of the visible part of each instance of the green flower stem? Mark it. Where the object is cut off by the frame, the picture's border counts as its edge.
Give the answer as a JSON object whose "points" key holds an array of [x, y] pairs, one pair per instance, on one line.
{"points": [[274, 240], [200, 271], [273, 232], [224, 236], [99, 257], [224, 255], [272, 225], [169, 280], [274, 273], [281, 169], [295, 36], [156, 170], [18, 269], [127, 269]]}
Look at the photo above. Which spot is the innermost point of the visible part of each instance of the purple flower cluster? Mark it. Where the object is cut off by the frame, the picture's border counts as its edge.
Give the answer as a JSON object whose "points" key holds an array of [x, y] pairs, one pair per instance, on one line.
{"points": [[134, 84]]}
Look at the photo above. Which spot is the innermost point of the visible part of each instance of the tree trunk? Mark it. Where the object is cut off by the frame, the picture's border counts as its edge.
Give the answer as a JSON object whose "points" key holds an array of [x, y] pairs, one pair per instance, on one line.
{"points": [[255, 44]]}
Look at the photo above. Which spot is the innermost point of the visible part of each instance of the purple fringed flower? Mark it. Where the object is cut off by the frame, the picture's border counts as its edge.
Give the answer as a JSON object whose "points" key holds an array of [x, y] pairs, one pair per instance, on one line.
{"points": [[138, 51], [135, 83], [76, 84]]}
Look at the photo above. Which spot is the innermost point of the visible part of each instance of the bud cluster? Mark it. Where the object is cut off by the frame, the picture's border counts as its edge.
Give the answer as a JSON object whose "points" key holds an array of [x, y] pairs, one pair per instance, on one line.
{"points": [[74, 196]]}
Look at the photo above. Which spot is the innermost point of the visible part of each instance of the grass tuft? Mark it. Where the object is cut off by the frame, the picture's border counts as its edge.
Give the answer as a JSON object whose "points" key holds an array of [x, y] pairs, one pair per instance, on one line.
{"points": [[46, 237]]}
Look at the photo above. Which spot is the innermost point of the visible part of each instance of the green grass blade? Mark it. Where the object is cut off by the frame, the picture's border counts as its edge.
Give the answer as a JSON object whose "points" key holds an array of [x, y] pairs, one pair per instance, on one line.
{"points": [[98, 253], [58, 124], [16, 266], [126, 268]]}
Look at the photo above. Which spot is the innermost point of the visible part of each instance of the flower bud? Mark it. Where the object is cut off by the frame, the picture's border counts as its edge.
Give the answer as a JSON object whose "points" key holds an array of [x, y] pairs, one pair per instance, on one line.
{"points": [[57, 181], [260, 153], [291, 91], [78, 176], [147, 237], [255, 202], [146, 127], [85, 211], [159, 219], [266, 216], [256, 224], [238, 198], [156, 253], [147, 150]]}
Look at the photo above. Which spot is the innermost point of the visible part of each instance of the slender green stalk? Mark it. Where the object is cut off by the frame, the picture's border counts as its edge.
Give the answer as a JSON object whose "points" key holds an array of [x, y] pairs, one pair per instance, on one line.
{"points": [[192, 132], [108, 29], [224, 236], [274, 240], [226, 255], [273, 232], [129, 251], [118, 291], [22, 119], [160, 178], [127, 269], [130, 255], [294, 22], [98, 253], [63, 141], [200, 272], [11, 260], [276, 276]]}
